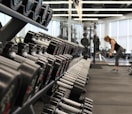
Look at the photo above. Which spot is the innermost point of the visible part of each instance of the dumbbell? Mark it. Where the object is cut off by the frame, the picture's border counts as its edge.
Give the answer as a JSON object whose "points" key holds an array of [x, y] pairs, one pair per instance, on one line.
{"points": [[32, 37], [84, 106], [68, 60], [51, 109], [85, 99], [23, 50], [66, 93], [10, 50], [58, 57], [54, 47], [75, 78], [10, 83], [75, 90], [60, 95], [58, 66], [58, 61], [13, 4], [48, 17], [49, 66], [28, 78], [71, 82], [36, 10], [44, 13], [26, 7], [68, 108], [74, 74], [51, 60], [64, 63]]}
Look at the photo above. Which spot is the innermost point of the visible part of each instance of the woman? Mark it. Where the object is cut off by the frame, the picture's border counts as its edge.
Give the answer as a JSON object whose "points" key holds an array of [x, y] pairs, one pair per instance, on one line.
{"points": [[114, 46]]}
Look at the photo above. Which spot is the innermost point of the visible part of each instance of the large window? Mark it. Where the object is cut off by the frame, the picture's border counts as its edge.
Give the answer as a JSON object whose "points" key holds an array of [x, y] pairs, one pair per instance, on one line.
{"points": [[113, 29], [78, 32], [4, 18], [123, 33], [101, 33], [120, 30], [130, 36]]}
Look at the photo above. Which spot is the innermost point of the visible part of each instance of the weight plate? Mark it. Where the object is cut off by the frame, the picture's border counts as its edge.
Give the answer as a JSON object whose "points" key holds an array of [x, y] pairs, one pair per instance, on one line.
{"points": [[28, 37], [84, 42], [85, 34], [23, 48], [52, 48], [8, 48]]}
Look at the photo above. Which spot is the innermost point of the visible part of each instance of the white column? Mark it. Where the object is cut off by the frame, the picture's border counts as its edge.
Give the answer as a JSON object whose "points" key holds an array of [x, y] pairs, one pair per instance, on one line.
{"points": [[69, 22]]}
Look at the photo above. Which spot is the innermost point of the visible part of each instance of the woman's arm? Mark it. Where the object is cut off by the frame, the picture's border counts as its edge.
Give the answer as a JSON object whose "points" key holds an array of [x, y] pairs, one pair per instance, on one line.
{"points": [[112, 47]]}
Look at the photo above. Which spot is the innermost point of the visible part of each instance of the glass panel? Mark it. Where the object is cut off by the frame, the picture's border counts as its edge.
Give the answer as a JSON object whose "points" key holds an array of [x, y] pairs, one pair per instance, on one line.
{"points": [[113, 29], [123, 28]]}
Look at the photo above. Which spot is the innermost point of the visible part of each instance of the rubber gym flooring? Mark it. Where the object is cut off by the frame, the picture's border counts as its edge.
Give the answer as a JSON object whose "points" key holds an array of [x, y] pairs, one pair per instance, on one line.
{"points": [[111, 92]]}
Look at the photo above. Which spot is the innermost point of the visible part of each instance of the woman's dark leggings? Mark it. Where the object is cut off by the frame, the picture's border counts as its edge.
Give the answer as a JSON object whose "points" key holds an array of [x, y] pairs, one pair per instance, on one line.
{"points": [[118, 55]]}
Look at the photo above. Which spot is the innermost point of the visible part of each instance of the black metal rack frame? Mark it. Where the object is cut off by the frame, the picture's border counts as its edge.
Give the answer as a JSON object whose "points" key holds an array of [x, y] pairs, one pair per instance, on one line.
{"points": [[17, 22]]}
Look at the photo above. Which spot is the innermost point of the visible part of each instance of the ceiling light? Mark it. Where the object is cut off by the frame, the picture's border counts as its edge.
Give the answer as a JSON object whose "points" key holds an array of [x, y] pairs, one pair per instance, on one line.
{"points": [[107, 9], [90, 15], [96, 9], [56, 2], [101, 15], [61, 15], [107, 2]]}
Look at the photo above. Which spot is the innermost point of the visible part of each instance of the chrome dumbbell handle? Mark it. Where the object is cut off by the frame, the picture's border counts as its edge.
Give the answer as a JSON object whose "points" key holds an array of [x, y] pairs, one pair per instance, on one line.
{"points": [[57, 111], [69, 108]]}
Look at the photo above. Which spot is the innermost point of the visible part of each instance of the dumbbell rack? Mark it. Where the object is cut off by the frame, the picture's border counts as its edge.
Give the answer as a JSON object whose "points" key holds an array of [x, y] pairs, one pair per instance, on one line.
{"points": [[27, 107], [18, 21]]}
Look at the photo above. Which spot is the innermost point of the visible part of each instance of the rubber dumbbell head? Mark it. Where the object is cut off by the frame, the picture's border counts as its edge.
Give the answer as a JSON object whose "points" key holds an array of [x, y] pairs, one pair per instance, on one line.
{"points": [[13, 4], [10, 82]]}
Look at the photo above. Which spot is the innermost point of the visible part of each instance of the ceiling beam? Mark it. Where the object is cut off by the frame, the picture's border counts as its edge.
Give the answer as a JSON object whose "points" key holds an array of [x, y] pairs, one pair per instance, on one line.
{"points": [[90, 2]]}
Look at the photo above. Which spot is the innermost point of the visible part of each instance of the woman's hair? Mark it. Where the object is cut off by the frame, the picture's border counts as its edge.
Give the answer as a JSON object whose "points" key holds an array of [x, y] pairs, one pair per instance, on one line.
{"points": [[107, 38]]}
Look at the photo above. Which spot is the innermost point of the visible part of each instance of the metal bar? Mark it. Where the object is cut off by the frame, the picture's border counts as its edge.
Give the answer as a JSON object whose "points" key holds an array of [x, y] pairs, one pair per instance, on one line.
{"points": [[11, 29], [21, 110], [19, 16]]}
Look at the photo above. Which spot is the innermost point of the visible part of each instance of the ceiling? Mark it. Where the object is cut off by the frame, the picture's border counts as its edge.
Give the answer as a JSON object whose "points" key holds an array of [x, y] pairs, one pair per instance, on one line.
{"points": [[90, 9]]}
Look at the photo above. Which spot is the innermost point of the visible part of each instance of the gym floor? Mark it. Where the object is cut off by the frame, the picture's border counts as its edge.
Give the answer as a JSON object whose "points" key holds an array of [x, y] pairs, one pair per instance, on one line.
{"points": [[111, 92]]}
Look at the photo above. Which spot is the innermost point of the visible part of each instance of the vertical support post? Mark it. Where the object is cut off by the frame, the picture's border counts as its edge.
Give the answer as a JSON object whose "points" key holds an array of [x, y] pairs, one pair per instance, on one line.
{"points": [[94, 41], [69, 21]]}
